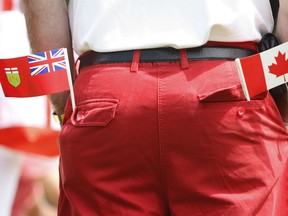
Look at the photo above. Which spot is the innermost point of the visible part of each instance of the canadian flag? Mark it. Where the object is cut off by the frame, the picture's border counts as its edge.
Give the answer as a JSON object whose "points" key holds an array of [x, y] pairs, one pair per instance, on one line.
{"points": [[263, 71]]}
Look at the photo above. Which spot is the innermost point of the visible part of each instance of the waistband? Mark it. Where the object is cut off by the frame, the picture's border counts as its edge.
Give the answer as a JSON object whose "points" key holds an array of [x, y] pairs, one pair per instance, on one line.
{"points": [[210, 51]]}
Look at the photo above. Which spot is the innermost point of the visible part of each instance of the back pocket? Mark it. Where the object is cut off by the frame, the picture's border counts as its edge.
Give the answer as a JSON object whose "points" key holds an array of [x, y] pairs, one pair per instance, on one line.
{"points": [[94, 112], [230, 96]]}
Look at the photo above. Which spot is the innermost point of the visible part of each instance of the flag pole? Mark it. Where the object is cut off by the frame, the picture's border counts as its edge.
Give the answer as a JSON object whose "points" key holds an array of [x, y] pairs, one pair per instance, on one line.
{"points": [[70, 80], [242, 79]]}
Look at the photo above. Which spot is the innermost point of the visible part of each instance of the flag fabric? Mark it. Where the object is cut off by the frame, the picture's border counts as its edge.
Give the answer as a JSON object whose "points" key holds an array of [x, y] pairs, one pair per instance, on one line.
{"points": [[40, 141], [6, 5], [36, 74], [263, 71]]}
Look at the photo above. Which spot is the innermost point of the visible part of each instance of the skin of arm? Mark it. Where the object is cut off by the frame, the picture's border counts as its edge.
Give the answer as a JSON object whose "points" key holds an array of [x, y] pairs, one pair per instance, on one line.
{"points": [[281, 26], [48, 28]]}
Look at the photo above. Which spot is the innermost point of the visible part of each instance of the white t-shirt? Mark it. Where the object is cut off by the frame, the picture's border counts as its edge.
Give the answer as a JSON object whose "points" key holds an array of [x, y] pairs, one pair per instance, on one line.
{"points": [[114, 25]]}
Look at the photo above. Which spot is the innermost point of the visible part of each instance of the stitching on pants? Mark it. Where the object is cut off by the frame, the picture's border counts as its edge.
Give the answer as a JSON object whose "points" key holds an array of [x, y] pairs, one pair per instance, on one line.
{"points": [[161, 122]]}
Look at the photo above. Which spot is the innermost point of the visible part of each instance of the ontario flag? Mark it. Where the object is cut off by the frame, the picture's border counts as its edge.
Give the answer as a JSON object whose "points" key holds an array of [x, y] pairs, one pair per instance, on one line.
{"points": [[36, 74], [263, 71]]}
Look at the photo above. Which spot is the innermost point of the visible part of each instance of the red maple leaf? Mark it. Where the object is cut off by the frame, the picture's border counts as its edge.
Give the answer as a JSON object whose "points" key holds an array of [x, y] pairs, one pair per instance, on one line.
{"points": [[281, 66]]}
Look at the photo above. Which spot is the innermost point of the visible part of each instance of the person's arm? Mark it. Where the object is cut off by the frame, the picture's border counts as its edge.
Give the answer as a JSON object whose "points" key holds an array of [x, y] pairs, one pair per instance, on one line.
{"points": [[281, 26], [48, 28]]}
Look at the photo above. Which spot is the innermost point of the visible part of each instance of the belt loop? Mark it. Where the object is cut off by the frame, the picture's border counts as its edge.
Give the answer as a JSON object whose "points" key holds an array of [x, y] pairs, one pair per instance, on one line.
{"points": [[184, 59], [135, 61]]}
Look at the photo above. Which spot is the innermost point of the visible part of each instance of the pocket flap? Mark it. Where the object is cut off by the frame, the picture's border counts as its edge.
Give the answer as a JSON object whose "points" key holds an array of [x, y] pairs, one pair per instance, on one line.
{"points": [[229, 94], [96, 112], [233, 93]]}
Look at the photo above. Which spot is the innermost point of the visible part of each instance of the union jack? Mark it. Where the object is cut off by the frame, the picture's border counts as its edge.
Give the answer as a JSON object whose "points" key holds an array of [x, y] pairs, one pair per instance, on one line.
{"points": [[45, 62]]}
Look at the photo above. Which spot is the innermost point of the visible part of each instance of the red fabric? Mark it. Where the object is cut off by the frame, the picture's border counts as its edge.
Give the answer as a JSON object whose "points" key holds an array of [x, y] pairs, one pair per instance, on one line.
{"points": [[8, 5], [135, 61], [246, 45], [167, 141], [28, 192], [31, 140]]}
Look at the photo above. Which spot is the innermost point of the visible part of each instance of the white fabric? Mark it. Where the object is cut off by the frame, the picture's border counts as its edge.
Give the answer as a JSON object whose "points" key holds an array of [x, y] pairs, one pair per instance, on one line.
{"points": [[16, 111], [12, 42], [114, 25], [13, 37], [10, 164]]}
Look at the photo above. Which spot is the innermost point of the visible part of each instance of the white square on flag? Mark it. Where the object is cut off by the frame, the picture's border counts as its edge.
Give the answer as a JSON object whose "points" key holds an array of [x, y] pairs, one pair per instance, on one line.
{"points": [[263, 71]]}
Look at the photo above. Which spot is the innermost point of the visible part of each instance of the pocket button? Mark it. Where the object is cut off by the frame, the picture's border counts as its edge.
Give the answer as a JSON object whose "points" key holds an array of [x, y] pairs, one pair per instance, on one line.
{"points": [[80, 116], [241, 111]]}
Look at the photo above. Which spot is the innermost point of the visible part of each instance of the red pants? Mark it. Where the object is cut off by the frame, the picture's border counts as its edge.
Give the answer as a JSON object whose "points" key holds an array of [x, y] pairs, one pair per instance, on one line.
{"points": [[170, 141]]}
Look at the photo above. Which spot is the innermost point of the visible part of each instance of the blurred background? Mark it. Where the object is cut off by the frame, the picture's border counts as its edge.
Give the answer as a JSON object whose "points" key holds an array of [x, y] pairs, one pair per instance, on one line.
{"points": [[28, 134]]}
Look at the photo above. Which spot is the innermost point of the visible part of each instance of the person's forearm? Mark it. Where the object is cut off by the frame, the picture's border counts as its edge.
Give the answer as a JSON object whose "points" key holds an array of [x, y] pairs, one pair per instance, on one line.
{"points": [[281, 27], [48, 28]]}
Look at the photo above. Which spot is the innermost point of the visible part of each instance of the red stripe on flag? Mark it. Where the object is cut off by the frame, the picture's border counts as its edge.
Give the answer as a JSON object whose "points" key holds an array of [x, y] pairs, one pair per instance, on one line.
{"points": [[254, 75]]}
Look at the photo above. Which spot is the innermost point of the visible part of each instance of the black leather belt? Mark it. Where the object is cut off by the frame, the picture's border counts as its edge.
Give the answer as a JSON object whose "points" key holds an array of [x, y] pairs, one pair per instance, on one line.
{"points": [[165, 54]]}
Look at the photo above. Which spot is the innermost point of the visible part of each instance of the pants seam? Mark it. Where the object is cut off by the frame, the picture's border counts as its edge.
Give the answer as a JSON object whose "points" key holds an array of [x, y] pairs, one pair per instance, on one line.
{"points": [[162, 153]]}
